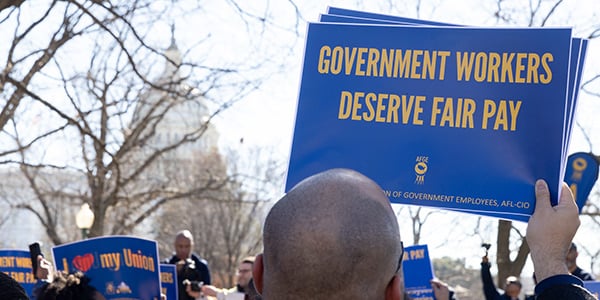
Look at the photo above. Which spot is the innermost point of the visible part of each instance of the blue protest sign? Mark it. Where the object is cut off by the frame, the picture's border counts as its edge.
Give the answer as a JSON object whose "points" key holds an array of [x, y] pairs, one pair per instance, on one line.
{"points": [[578, 51], [581, 175], [120, 267], [168, 281], [418, 272], [418, 117], [17, 264]]}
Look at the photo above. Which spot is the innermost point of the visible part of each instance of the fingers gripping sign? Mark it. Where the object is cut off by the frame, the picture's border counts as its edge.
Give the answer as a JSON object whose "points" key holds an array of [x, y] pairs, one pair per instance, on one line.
{"points": [[551, 229]]}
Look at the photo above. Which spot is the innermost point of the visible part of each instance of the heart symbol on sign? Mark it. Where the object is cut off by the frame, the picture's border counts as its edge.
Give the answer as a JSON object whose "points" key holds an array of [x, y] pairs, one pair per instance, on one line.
{"points": [[83, 262]]}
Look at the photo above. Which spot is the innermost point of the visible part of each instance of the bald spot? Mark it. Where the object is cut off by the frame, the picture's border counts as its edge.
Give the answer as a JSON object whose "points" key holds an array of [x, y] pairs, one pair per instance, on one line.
{"points": [[184, 234], [334, 233]]}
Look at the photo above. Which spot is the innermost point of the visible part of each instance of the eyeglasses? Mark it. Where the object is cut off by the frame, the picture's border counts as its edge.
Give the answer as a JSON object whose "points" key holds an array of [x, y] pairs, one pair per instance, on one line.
{"points": [[401, 257], [241, 271]]}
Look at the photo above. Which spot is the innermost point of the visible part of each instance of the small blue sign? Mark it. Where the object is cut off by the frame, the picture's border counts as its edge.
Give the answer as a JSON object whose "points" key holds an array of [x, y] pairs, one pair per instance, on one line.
{"points": [[418, 272], [168, 281]]}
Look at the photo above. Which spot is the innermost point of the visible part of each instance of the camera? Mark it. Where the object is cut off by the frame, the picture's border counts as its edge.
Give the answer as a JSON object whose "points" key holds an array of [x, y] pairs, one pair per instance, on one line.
{"points": [[195, 285], [487, 247], [186, 270]]}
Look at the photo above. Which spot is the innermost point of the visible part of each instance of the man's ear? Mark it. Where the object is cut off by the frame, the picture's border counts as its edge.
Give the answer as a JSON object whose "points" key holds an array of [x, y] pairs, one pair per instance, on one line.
{"points": [[394, 289], [257, 273]]}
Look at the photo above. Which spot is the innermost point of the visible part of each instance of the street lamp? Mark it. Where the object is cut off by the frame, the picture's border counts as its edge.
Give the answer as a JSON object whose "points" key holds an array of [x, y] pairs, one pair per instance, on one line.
{"points": [[84, 219]]}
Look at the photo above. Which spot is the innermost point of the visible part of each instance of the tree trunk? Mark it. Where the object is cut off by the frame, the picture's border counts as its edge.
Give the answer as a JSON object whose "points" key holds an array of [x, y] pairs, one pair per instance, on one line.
{"points": [[506, 266]]}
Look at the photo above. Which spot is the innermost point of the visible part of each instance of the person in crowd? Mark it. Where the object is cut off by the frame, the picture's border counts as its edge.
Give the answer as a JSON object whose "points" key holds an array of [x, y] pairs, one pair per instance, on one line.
{"points": [[239, 292], [574, 268], [512, 287], [60, 285], [252, 293], [44, 275], [335, 236], [11, 289], [190, 268], [65, 286]]}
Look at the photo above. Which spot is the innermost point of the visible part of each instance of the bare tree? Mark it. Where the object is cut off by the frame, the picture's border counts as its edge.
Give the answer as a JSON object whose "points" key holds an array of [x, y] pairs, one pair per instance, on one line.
{"points": [[110, 106], [506, 265], [418, 220]]}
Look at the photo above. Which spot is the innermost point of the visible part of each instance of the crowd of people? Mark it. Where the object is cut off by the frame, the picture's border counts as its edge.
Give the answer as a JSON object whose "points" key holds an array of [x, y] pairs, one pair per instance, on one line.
{"points": [[314, 248], [193, 271], [52, 285]]}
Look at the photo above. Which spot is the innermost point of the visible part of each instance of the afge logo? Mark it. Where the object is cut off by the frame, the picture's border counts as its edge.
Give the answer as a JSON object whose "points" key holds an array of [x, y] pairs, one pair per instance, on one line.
{"points": [[421, 169]]}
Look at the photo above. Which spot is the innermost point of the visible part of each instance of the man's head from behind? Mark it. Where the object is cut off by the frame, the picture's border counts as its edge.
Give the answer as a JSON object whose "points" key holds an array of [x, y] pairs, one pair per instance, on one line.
{"points": [[332, 236], [184, 243]]}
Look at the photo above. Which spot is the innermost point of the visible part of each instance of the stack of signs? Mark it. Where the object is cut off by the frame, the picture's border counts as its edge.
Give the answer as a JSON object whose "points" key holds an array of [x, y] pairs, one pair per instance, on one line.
{"points": [[17, 264], [120, 267], [459, 118], [418, 272]]}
